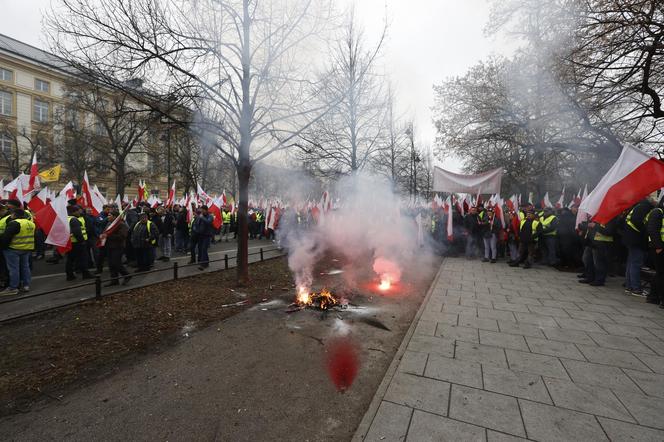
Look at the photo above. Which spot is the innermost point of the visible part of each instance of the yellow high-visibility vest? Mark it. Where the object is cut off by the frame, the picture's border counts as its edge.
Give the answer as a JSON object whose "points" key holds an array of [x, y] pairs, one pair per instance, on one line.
{"points": [[84, 232], [546, 222], [25, 238]]}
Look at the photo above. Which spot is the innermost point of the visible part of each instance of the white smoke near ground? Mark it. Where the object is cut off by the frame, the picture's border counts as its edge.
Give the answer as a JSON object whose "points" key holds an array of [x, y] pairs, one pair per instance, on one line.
{"points": [[366, 227]]}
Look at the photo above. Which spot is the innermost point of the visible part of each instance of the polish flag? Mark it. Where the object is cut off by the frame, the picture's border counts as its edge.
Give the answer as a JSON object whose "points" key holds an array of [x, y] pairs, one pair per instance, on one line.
{"points": [[101, 197], [633, 177], [559, 204], [39, 201], [90, 199], [141, 191], [33, 182], [498, 209], [272, 219], [110, 228], [215, 210], [53, 220], [68, 191], [450, 226], [224, 200], [576, 201], [202, 196], [546, 202], [171, 196], [118, 201]]}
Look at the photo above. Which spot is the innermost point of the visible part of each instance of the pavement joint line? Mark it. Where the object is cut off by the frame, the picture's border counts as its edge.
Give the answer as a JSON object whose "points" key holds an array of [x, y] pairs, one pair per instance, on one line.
{"points": [[370, 414], [635, 383]]}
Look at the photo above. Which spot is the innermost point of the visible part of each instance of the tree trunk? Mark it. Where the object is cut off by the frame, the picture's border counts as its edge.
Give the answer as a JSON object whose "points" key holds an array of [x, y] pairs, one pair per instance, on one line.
{"points": [[244, 174], [120, 179]]}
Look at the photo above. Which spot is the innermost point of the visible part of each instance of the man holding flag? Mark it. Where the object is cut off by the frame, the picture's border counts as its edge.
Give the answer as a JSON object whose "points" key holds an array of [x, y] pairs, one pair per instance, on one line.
{"points": [[114, 240]]}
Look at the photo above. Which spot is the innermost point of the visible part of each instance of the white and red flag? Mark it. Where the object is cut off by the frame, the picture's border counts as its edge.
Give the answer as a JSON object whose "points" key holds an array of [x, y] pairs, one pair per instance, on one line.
{"points": [[33, 182], [53, 220], [633, 177], [110, 228], [546, 202], [90, 199], [171, 196], [68, 191], [559, 204], [38, 201], [203, 197], [450, 221], [215, 210]]}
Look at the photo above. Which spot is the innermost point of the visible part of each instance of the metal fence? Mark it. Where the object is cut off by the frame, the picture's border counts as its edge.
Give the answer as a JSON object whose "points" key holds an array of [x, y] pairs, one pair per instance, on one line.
{"points": [[98, 282]]}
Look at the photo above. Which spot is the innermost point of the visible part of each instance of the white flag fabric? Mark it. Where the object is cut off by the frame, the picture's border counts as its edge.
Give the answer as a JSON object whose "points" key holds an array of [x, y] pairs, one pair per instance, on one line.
{"points": [[450, 182]]}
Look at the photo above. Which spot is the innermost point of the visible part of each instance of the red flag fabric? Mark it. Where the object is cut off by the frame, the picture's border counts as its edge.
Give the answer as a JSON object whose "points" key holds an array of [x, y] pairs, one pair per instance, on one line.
{"points": [[89, 198], [216, 212], [39, 201]]}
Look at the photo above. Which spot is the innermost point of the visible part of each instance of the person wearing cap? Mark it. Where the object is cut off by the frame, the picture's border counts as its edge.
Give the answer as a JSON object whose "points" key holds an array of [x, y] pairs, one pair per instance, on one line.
{"points": [[549, 222], [530, 230], [77, 257], [18, 242]]}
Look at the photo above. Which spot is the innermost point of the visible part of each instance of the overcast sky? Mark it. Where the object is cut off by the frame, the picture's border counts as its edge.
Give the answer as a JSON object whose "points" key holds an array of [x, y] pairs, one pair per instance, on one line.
{"points": [[428, 41]]}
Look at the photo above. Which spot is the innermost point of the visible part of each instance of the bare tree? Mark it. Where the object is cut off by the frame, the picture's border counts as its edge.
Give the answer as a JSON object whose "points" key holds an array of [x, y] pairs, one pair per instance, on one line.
{"points": [[232, 62], [393, 157], [117, 125], [346, 140], [39, 139]]}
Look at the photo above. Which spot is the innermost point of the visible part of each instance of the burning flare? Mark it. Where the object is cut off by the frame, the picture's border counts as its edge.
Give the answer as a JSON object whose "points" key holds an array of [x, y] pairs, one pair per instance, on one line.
{"points": [[385, 283], [303, 296]]}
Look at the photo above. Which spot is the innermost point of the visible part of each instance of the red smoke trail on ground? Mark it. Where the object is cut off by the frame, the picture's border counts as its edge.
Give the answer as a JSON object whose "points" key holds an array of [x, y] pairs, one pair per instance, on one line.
{"points": [[342, 363]]}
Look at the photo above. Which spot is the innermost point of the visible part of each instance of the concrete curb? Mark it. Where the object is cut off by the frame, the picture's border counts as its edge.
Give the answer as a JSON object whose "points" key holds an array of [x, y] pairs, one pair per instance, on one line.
{"points": [[367, 420]]}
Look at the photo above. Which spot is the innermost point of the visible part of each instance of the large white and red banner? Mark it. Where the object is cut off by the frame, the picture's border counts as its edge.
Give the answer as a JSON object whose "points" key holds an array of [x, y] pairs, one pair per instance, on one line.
{"points": [[450, 182]]}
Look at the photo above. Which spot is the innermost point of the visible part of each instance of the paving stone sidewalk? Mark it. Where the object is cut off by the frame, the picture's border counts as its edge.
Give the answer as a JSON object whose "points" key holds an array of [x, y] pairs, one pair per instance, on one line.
{"points": [[505, 354]]}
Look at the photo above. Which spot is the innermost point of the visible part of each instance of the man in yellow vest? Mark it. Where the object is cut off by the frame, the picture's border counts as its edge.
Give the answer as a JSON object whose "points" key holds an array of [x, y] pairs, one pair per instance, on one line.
{"points": [[18, 242], [530, 230], [635, 238], [601, 243], [226, 226], [549, 223], [77, 257]]}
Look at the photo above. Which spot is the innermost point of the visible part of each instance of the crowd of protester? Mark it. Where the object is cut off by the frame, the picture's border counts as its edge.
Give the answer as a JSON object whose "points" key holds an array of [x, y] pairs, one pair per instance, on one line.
{"points": [[631, 244], [143, 235]]}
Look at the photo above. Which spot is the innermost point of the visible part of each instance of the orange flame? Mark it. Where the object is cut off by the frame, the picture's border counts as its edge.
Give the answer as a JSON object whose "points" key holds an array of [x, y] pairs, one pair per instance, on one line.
{"points": [[303, 296]]}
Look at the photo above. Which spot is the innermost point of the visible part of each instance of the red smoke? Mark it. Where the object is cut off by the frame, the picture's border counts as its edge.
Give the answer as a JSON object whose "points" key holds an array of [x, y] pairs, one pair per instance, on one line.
{"points": [[342, 363]]}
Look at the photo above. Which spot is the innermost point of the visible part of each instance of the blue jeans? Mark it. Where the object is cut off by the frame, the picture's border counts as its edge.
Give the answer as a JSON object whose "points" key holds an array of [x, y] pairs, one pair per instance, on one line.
{"points": [[490, 247], [181, 240], [635, 257], [551, 243], [601, 261], [18, 264], [471, 246], [203, 244]]}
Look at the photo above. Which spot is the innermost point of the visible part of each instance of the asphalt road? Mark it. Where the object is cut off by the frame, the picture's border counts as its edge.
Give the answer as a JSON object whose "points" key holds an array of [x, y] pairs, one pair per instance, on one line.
{"points": [[46, 277]]}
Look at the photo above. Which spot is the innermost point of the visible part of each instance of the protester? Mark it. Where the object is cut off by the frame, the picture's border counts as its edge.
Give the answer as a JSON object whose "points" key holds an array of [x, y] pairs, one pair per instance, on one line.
{"points": [[203, 230], [144, 237], [635, 238], [529, 232], [115, 241], [18, 242], [77, 257], [490, 228]]}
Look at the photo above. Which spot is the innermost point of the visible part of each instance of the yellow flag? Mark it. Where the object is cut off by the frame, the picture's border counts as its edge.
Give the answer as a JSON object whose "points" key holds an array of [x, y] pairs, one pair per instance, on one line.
{"points": [[50, 175]]}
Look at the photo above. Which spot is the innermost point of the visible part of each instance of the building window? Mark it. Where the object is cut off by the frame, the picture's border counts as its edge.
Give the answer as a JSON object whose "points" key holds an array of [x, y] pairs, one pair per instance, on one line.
{"points": [[40, 110], [6, 145], [6, 75], [41, 85], [6, 103], [72, 119], [100, 130]]}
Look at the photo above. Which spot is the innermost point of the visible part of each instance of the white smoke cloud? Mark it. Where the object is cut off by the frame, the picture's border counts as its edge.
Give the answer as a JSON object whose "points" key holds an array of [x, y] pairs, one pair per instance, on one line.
{"points": [[367, 228]]}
